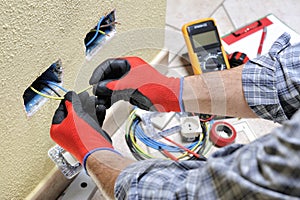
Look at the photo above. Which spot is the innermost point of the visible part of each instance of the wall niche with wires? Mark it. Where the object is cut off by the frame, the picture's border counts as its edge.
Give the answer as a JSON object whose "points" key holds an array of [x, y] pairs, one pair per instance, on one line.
{"points": [[100, 34], [45, 87]]}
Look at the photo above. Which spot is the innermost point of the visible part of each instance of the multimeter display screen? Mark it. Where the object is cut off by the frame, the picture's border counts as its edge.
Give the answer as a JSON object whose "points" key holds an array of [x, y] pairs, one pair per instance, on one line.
{"points": [[203, 39]]}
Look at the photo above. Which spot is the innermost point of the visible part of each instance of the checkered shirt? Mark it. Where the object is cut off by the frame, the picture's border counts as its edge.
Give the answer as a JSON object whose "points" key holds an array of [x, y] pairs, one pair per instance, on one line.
{"points": [[267, 168], [271, 82]]}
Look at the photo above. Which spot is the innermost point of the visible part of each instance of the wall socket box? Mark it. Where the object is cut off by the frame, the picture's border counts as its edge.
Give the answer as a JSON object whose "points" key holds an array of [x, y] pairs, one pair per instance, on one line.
{"points": [[94, 39], [33, 101], [190, 128]]}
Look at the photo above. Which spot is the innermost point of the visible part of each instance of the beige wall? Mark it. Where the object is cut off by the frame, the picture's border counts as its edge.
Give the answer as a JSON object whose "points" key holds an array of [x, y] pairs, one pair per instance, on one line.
{"points": [[33, 35]]}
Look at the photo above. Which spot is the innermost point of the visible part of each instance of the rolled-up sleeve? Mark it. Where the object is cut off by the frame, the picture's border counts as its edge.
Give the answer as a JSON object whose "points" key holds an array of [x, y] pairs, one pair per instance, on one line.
{"points": [[271, 82]]}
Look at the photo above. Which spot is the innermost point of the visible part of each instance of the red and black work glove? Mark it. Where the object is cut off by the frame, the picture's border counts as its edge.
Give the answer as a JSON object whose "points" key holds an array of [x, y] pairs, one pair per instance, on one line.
{"points": [[91, 105], [77, 131], [132, 79]]}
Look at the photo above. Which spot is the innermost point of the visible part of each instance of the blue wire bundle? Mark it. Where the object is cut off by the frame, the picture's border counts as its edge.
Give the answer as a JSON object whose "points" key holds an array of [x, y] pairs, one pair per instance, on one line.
{"points": [[140, 134]]}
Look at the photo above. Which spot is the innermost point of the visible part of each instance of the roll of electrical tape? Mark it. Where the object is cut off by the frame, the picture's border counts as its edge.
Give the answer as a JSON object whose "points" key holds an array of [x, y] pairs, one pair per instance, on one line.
{"points": [[217, 139]]}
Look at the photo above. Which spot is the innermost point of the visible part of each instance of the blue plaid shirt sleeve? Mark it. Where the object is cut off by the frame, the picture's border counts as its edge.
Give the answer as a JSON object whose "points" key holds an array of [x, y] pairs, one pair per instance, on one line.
{"points": [[267, 168], [271, 83]]}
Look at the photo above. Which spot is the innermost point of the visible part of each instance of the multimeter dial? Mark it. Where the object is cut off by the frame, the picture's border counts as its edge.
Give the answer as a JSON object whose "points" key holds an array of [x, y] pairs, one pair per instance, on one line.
{"points": [[211, 62]]}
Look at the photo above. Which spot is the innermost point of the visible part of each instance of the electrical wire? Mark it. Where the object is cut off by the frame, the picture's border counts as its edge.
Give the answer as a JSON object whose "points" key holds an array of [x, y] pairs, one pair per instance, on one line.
{"points": [[110, 24], [102, 32], [55, 84], [45, 95], [96, 33], [47, 84], [208, 126], [134, 129], [87, 88], [155, 144], [167, 154], [182, 147], [203, 147], [170, 148], [51, 88], [138, 152], [138, 149]]}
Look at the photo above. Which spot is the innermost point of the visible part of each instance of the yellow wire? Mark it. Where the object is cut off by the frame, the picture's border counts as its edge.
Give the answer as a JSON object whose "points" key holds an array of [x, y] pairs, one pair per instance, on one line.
{"points": [[130, 131], [81, 91], [131, 117], [45, 95], [56, 98], [102, 32], [206, 150], [137, 146]]}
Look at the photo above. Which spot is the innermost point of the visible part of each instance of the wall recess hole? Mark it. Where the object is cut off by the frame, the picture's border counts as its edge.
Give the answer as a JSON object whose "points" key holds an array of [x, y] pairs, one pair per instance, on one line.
{"points": [[99, 35], [48, 83]]}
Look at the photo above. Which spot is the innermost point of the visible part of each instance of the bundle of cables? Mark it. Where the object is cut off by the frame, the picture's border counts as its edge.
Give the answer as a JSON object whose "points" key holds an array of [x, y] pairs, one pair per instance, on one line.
{"points": [[135, 133], [43, 92], [103, 27]]}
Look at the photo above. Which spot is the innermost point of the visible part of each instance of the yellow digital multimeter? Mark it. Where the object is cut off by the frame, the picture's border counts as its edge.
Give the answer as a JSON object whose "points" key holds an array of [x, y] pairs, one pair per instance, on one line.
{"points": [[204, 46]]}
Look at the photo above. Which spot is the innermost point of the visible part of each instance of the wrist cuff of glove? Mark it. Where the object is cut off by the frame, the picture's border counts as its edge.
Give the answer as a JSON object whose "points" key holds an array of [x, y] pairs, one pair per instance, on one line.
{"points": [[94, 150]]}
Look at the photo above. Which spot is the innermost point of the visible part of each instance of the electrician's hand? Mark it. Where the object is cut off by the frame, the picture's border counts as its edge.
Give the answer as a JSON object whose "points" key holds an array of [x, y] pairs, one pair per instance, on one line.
{"points": [[75, 130], [91, 105], [132, 79]]}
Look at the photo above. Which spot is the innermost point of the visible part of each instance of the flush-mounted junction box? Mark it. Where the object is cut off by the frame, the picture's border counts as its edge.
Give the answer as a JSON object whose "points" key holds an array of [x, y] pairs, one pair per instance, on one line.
{"points": [[32, 100], [100, 34]]}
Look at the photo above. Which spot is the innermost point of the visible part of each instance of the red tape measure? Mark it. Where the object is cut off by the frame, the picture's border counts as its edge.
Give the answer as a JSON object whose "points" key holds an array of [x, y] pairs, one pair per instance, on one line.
{"points": [[222, 127]]}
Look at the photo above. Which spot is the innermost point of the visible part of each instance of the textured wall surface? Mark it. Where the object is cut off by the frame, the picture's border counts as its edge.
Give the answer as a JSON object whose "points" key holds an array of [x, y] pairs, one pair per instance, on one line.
{"points": [[33, 35]]}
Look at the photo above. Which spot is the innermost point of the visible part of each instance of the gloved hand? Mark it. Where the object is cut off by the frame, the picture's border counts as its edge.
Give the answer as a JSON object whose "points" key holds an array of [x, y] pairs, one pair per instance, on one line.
{"points": [[77, 131], [91, 105], [132, 79]]}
